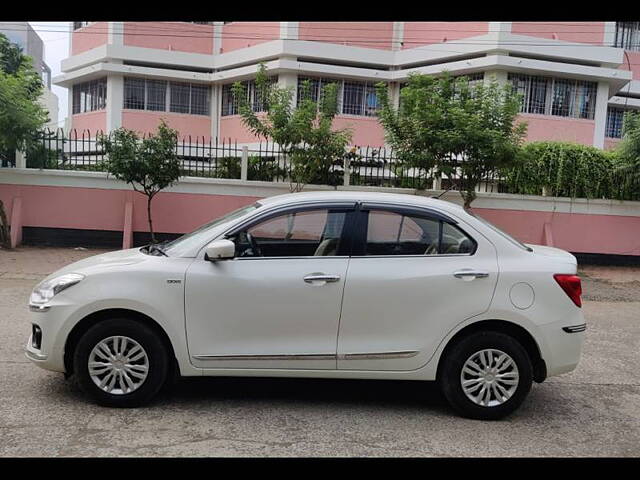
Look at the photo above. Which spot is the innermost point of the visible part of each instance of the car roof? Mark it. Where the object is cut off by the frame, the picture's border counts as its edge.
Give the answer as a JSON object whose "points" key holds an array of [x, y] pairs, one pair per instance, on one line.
{"points": [[360, 196]]}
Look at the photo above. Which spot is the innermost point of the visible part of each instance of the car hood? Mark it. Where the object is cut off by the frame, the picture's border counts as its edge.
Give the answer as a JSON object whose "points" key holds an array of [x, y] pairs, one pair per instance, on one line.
{"points": [[553, 252], [105, 260]]}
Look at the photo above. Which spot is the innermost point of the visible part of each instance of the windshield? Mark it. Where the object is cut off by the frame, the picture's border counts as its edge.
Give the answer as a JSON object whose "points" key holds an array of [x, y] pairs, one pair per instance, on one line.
{"points": [[196, 238], [500, 232]]}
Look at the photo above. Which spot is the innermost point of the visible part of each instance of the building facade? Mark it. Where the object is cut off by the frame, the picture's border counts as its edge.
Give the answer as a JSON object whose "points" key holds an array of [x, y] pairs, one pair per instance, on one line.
{"points": [[24, 36], [577, 78]]}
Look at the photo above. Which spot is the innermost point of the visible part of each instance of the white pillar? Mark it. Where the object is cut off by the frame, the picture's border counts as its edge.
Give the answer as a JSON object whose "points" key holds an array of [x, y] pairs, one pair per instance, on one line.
{"points": [[215, 110], [397, 36], [602, 99], [217, 37], [116, 33], [115, 100], [500, 76], [289, 80], [289, 30]]}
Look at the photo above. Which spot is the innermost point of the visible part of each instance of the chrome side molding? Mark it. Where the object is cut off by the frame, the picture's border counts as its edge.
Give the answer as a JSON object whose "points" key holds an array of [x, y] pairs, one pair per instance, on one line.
{"points": [[315, 356]]}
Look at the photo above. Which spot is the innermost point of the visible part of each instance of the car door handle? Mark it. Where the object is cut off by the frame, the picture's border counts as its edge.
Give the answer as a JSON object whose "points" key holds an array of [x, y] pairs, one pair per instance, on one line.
{"points": [[321, 277], [468, 274]]}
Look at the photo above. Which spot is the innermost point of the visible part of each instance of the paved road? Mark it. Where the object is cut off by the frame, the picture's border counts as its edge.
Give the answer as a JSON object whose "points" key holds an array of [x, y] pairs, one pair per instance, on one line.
{"points": [[593, 411]]}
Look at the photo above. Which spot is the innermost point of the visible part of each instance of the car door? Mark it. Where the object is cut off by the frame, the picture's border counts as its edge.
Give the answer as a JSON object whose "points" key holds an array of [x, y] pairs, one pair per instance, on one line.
{"points": [[277, 303], [413, 276]]}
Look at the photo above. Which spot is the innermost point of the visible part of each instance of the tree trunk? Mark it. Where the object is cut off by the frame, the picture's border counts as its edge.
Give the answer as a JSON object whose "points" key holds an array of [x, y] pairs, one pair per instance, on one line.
{"points": [[153, 237], [468, 197], [5, 237]]}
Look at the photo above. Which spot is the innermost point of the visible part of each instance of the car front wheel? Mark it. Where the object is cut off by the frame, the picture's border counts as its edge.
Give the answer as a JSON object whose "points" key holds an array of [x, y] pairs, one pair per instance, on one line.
{"points": [[120, 363], [486, 375]]}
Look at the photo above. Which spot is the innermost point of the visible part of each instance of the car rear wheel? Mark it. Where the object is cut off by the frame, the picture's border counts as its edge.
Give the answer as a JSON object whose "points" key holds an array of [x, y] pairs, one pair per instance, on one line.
{"points": [[120, 363], [486, 375]]}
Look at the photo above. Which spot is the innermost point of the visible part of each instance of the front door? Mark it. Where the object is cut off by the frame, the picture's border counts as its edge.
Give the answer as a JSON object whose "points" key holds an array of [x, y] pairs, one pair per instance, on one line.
{"points": [[409, 284], [277, 304]]}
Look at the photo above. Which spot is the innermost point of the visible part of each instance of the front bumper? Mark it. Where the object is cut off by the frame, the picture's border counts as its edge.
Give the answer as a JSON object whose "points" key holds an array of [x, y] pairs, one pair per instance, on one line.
{"points": [[51, 321]]}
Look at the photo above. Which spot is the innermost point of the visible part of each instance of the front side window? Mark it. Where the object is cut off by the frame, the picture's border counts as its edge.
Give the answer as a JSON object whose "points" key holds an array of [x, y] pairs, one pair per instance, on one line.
{"points": [[296, 234], [392, 233]]}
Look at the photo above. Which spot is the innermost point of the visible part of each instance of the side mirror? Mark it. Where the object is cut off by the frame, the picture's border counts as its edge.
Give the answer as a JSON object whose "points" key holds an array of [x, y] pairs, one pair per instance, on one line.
{"points": [[219, 250]]}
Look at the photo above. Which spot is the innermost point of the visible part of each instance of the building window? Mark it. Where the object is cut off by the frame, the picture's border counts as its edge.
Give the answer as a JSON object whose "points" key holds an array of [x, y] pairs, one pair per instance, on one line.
{"points": [[134, 90], [627, 36], [615, 118], [89, 96], [555, 96], [354, 98], [179, 93], [146, 94], [156, 95], [230, 105]]}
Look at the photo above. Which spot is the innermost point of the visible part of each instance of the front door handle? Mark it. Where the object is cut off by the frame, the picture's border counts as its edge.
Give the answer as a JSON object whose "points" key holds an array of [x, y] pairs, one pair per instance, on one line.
{"points": [[321, 277], [468, 274]]}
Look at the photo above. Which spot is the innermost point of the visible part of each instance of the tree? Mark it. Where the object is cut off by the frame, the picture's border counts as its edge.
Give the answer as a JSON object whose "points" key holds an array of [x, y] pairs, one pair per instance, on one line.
{"points": [[148, 165], [304, 132], [21, 116], [629, 147], [445, 125]]}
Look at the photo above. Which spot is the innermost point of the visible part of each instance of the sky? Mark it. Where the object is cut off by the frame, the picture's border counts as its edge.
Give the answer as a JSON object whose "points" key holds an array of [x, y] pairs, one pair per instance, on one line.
{"points": [[55, 36]]}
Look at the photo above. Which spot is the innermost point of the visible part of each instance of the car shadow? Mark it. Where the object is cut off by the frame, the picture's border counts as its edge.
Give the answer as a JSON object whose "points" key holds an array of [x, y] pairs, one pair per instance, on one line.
{"points": [[372, 393]]}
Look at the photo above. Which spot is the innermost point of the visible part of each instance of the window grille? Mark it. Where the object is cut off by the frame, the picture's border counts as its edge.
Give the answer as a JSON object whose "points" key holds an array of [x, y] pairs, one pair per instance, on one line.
{"points": [[615, 118], [230, 105], [89, 96], [147, 94], [179, 94], [354, 98], [134, 93], [156, 95], [627, 36], [555, 96]]}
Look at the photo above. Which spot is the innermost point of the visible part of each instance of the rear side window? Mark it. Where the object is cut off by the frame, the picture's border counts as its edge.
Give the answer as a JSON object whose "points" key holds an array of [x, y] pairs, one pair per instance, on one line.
{"points": [[394, 233]]}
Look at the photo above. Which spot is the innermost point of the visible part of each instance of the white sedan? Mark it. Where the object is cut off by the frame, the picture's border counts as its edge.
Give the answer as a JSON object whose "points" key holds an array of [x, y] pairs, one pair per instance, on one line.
{"points": [[322, 284]]}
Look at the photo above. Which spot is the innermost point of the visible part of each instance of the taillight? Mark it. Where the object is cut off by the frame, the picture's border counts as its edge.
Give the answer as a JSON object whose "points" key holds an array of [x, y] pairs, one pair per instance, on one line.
{"points": [[571, 286]]}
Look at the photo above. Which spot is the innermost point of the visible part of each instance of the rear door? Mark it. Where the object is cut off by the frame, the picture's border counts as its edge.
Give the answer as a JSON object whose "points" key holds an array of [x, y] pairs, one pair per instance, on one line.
{"points": [[412, 277]]}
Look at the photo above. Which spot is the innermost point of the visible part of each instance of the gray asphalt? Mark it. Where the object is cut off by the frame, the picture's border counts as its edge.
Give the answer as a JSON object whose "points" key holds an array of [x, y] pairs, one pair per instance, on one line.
{"points": [[593, 411]]}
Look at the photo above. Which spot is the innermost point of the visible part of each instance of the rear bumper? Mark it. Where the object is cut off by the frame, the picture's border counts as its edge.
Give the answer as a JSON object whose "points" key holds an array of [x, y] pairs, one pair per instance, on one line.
{"points": [[563, 343]]}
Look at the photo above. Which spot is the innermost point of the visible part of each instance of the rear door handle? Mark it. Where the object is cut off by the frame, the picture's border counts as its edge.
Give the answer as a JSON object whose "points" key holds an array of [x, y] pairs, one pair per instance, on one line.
{"points": [[468, 274], [321, 277]]}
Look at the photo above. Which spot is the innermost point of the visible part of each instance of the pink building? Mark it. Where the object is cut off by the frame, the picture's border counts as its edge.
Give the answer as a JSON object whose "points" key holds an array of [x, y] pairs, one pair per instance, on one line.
{"points": [[577, 78]]}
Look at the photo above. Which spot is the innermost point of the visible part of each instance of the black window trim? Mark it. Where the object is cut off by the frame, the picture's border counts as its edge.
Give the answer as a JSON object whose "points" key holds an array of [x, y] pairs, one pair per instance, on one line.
{"points": [[359, 247]]}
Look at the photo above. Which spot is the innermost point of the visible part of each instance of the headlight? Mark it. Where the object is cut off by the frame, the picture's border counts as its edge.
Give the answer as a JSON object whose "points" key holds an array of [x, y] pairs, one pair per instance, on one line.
{"points": [[47, 290]]}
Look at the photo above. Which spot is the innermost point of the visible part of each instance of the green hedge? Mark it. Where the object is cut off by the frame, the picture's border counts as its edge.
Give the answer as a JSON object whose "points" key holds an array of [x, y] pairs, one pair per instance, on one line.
{"points": [[563, 169]]}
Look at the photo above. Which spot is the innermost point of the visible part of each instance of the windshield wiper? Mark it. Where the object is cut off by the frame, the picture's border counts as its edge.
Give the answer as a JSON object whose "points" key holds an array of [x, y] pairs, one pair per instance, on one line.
{"points": [[155, 247]]}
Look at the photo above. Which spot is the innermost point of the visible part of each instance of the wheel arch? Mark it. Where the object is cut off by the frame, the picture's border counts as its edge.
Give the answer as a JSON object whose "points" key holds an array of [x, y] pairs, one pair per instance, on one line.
{"points": [[81, 327], [519, 333]]}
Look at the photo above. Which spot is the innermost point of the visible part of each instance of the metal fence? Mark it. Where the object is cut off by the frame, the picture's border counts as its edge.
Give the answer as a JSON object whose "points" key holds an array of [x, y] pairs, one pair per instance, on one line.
{"points": [[265, 161]]}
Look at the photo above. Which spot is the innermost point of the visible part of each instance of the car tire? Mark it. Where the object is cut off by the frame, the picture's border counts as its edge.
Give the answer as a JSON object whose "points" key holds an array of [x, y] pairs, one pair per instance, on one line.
{"points": [[486, 372], [127, 350]]}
